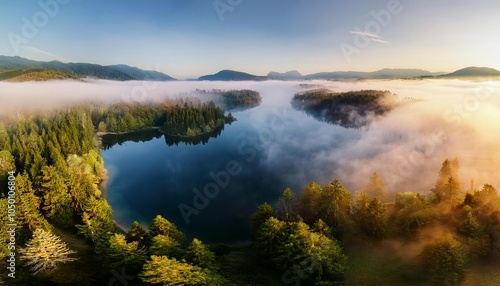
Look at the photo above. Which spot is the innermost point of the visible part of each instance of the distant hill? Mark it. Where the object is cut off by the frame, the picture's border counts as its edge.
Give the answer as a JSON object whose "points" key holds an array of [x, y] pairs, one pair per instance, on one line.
{"points": [[137, 73], [230, 75], [36, 74], [473, 72], [116, 72], [380, 74], [290, 75]]}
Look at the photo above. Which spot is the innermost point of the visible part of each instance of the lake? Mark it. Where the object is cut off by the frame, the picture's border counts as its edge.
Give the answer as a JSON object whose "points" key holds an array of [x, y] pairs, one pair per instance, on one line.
{"points": [[271, 147]]}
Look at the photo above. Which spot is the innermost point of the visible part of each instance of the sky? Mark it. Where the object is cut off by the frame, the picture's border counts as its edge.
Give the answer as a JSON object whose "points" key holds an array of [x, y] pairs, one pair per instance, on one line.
{"points": [[190, 38]]}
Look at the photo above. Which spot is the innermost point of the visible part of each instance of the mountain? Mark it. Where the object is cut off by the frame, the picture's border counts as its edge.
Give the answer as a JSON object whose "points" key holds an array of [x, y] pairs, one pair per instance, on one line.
{"points": [[380, 74], [473, 72], [137, 73], [290, 75], [116, 72], [230, 75]]}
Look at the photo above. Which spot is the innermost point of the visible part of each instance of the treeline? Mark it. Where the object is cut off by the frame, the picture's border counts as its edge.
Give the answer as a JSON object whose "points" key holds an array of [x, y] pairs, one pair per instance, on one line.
{"points": [[195, 120], [65, 234], [57, 170], [126, 117], [234, 99], [348, 109], [329, 217], [182, 118]]}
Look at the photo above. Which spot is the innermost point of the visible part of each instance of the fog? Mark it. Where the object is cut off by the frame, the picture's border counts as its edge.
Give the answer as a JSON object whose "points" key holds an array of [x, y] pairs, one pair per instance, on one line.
{"points": [[405, 147]]}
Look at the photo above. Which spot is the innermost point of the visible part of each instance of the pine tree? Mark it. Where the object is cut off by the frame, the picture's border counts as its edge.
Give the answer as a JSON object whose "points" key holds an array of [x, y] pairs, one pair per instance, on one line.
{"points": [[199, 254], [161, 225], [45, 251], [263, 213], [136, 232], [375, 187]]}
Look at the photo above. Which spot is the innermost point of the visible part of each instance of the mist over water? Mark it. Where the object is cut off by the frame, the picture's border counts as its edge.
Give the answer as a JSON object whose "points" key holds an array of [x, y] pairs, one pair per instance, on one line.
{"points": [[280, 147]]}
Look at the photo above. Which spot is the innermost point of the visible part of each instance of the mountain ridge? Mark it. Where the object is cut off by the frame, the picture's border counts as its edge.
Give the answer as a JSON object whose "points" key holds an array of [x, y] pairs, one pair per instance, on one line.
{"points": [[112, 72]]}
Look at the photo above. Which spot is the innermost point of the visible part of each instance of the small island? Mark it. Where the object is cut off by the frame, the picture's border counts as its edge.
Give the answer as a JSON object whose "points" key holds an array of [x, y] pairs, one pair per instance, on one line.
{"points": [[352, 109], [233, 99]]}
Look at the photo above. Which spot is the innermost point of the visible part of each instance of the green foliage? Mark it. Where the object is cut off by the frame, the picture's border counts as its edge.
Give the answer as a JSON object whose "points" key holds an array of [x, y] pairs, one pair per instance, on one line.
{"points": [[335, 207], [338, 108], [45, 251], [200, 255], [161, 225], [163, 245], [412, 213], [97, 222], [287, 203], [445, 260], [370, 215], [375, 187], [161, 270], [136, 233], [447, 188], [263, 213], [309, 203], [6, 165], [294, 247], [125, 254], [193, 120]]}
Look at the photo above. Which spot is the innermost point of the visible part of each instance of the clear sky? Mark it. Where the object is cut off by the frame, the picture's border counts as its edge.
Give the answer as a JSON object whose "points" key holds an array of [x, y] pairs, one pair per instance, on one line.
{"points": [[189, 38]]}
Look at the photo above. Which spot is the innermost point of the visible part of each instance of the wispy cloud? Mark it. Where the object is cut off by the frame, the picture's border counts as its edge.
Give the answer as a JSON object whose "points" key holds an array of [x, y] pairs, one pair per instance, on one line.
{"points": [[373, 37], [42, 52]]}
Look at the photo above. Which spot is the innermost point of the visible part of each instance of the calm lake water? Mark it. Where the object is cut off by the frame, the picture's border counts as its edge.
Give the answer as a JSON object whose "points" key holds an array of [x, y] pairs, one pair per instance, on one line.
{"points": [[273, 146], [267, 145]]}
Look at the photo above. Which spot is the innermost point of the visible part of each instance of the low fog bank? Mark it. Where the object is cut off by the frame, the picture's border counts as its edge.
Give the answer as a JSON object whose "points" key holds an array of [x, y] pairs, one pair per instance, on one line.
{"points": [[406, 147], [49, 95]]}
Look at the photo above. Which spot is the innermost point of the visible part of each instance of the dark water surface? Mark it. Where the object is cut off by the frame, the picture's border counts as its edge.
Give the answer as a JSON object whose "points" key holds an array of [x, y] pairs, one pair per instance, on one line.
{"points": [[251, 161]]}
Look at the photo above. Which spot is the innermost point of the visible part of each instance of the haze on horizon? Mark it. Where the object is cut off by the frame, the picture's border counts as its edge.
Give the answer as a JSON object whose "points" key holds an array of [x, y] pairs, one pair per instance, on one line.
{"points": [[189, 38]]}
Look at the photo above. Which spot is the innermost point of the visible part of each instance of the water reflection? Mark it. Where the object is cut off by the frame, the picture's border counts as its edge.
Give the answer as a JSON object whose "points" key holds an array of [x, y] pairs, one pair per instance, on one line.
{"points": [[145, 135]]}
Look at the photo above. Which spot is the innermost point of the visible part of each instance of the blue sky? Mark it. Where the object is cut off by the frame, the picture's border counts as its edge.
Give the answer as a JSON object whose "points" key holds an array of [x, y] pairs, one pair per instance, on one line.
{"points": [[189, 38]]}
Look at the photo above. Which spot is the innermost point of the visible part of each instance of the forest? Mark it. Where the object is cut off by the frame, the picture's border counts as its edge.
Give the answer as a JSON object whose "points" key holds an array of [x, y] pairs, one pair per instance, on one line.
{"points": [[234, 99], [324, 235], [180, 118], [352, 109]]}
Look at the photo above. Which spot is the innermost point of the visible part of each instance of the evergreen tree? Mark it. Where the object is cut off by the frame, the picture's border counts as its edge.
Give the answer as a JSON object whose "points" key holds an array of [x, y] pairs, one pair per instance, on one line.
{"points": [[263, 213], [136, 233], [125, 254], [161, 225], [375, 187], [45, 251], [200, 255]]}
